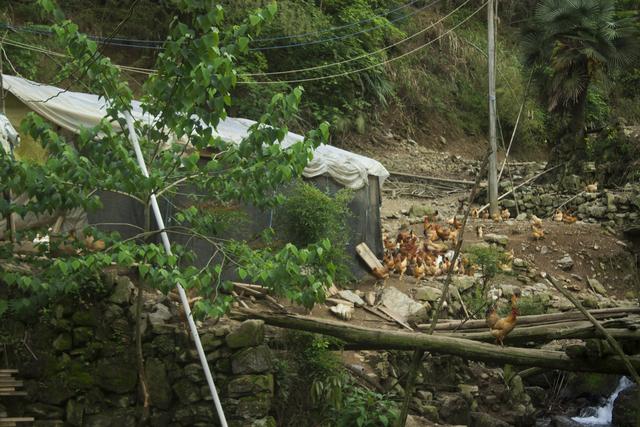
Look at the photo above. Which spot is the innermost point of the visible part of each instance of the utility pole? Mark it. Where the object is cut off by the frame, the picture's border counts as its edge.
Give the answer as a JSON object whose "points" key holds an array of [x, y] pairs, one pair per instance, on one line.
{"points": [[493, 164]]}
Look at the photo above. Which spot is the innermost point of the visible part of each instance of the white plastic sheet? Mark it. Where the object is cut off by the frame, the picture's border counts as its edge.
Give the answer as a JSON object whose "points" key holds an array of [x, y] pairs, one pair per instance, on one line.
{"points": [[74, 111]]}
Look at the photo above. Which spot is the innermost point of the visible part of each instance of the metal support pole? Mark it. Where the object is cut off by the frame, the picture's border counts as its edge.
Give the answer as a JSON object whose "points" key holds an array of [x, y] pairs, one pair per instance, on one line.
{"points": [[493, 173], [133, 136]]}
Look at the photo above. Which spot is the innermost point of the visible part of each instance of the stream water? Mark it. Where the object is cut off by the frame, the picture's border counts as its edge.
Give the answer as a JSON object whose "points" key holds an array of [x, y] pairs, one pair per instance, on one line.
{"points": [[601, 416]]}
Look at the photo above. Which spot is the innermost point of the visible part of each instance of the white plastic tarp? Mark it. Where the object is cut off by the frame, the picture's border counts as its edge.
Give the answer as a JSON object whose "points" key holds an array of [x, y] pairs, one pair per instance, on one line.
{"points": [[74, 111]]}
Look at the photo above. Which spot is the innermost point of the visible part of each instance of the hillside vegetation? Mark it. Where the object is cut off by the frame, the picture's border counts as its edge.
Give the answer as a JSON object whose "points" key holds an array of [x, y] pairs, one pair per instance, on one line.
{"points": [[438, 89]]}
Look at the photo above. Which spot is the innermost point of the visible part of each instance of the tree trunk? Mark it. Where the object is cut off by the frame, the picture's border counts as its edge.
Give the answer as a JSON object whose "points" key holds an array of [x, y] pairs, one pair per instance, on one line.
{"points": [[468, 349]]}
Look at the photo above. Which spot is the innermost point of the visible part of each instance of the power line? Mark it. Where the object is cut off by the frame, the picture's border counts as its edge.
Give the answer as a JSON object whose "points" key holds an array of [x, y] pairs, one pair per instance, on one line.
{"points": [[150, 71], [346, 36], [365, 55], [346, 73], [157, 44]]}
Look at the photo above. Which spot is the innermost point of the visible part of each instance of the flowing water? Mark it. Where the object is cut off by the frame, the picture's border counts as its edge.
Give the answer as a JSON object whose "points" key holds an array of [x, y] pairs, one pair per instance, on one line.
{"points": [[601, 416]]}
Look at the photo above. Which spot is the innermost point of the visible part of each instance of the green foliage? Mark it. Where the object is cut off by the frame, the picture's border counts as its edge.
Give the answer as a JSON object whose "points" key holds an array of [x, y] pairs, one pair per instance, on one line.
{"points": [[532, 304], [476, 300], [196, 77], [488, 259], [314, 388], [309, 215]]}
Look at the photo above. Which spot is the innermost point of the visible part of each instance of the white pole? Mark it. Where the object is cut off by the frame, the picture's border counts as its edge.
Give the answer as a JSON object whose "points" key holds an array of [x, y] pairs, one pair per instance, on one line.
{"points": [[183, 295], [493, 173]]}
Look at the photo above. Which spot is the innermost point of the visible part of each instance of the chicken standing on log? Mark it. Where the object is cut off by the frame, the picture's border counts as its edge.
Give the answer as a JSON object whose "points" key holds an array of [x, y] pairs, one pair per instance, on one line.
{"points": [[503, 326]]}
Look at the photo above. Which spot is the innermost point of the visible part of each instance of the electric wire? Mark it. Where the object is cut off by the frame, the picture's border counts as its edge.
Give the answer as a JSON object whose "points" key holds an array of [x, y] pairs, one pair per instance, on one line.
{"points": [[150, 71], [346, 73], [365, 55]]}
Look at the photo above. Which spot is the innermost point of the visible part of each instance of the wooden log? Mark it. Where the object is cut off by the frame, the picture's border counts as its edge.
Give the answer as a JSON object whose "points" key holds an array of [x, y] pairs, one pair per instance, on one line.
{"points": [[539, 319], [546, 333], [468, 349], [433, 178], [368, 257]]}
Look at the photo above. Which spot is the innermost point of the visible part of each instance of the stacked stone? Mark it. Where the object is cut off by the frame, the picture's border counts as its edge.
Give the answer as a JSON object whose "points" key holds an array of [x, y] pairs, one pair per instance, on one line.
{"points": [[86, 373]]}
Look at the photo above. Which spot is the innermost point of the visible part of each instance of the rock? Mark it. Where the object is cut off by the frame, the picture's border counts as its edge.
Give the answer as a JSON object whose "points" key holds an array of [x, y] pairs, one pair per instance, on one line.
{"points": [[538, 394], [480, 419], [563, 421], [428, 415], [463, 282], [82, 335], [590, 385], [596, 286], [123, 291], [249, 333], [566, 262], [186, 391], [63, 342], [576, 351], [253, 360], [597, 211], [421, 210], [428, 293], [521, 217], [256, 406], [508, 290], [402, 305], [158, 384], [193, 372], [43, 411], [116, 375], [75, 412], [625, 407], [520, 263], [110, 418], [351, 296], [160, 315], [544, 250], [454, 409], [498, 239], [191, 414], [264, 422], [166, 345], [250, 384], [469, 391]]}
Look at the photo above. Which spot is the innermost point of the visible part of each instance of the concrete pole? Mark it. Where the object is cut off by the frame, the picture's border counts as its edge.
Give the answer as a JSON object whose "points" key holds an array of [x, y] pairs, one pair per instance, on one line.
{"points": [[493, 164]]}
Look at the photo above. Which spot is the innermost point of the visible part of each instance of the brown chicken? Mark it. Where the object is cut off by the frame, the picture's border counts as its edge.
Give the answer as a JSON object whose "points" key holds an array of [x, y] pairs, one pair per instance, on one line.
{"points": [[474, 213], [569, 219], [455, 222], [491, 316], [496, 217], [505, 214], [591, 188], [419, 270], [388, 261], [403, 235], [400, 265], [503, 326], [558, 215], [536, 222], [537, 233], [381, 273], [389, 244], [443, 232]]}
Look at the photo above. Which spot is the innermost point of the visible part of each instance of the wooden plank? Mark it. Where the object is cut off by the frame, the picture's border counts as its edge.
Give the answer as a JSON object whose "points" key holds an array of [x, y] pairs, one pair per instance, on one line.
{"points": [[10, 382], [368, 257], [17, 420], [8, 371], [394, 317], [7, 389], [432, 178], [13, 393]]}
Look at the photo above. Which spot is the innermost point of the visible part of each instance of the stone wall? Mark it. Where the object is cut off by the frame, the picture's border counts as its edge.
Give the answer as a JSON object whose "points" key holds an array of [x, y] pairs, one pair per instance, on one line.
{"points": [[79, 365], [613, 207]]}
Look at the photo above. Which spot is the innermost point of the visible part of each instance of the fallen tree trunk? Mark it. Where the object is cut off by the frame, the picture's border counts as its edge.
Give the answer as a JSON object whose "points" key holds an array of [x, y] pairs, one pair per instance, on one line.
{"points": [[546, 333], [468, 349], [538, 319]]}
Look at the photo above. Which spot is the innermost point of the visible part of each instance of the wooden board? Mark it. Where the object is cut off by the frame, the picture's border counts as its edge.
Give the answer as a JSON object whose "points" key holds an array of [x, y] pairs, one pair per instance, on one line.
{"points": [[13, 393], [368, 257]]}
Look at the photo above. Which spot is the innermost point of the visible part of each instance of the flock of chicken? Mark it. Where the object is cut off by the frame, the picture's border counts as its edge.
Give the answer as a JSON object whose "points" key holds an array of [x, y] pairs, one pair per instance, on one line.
{"points": [[426, 256], [430, 255]]}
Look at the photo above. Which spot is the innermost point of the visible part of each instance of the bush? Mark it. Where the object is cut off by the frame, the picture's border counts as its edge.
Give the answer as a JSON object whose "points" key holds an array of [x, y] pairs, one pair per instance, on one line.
{"points": [[313, 388], [309, 215]]}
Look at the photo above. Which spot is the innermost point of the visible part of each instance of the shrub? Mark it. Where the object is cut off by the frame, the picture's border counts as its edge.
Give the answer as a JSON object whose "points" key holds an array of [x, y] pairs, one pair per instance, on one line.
{"points": [[309, 215]]}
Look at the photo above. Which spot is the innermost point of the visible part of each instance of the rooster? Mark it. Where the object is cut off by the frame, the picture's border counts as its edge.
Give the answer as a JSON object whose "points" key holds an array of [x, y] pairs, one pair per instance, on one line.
{"points": [[503, 326], [491, 316]]}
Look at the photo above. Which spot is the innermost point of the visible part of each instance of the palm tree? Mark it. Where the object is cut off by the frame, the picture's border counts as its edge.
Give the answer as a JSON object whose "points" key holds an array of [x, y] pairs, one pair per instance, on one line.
{"points": [[570, 44]]}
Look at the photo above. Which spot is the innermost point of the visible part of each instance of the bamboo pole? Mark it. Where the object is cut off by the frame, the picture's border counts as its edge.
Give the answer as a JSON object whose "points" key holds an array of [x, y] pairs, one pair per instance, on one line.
{"points": [[539, 319], [465, 348], [625, 359]]}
